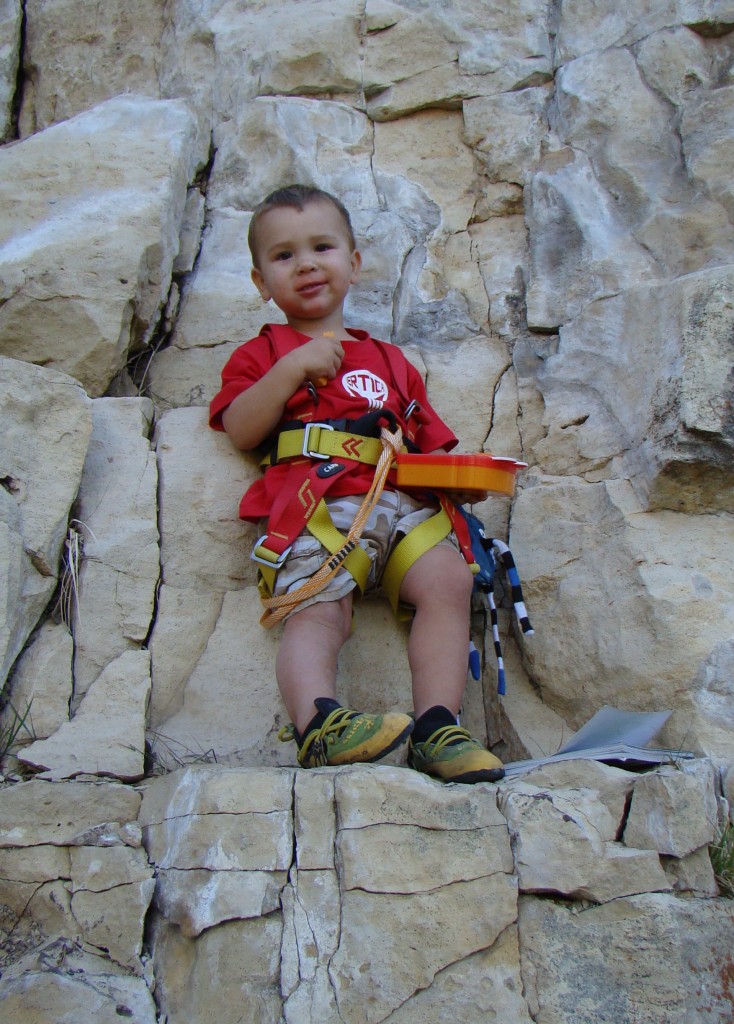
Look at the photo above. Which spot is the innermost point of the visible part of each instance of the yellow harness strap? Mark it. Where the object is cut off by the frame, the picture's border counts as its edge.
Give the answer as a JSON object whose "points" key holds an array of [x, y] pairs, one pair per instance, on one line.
{"points": [[321, 527], [425, 536], [318, 439]]}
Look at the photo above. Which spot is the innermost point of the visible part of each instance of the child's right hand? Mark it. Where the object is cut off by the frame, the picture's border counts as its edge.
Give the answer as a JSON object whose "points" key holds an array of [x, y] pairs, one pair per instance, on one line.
{"points": [[320, 358]]}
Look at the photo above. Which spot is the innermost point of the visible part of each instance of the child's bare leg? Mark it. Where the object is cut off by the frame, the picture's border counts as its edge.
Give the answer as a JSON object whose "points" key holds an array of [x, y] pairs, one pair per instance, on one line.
{"points": [[306, 663], [439, 586]]}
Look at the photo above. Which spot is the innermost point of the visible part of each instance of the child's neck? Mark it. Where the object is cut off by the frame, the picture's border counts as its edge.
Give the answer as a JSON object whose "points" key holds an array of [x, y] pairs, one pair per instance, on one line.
{"points": [[332, 326]]}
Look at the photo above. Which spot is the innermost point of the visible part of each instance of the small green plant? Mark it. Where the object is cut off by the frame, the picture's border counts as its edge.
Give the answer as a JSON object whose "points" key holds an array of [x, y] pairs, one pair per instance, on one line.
{"points": [[11, 729], [722, 859]]}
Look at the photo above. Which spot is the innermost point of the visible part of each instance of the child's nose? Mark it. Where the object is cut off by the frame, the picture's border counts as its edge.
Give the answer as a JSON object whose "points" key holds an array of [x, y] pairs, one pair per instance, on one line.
{"points": [[306, 261]]}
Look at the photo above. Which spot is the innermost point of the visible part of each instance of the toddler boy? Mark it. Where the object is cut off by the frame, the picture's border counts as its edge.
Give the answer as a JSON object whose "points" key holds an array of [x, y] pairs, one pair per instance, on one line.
{"points": [[316, 393]]}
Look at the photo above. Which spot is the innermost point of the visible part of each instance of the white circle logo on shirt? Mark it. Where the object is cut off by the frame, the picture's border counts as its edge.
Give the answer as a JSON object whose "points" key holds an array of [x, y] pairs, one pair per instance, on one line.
{"points": [[367, 385]]}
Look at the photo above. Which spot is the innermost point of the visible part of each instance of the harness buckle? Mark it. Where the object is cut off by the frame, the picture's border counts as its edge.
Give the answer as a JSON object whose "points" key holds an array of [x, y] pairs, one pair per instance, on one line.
{"points": [[306, 449], [274, 562], [412, 409]]}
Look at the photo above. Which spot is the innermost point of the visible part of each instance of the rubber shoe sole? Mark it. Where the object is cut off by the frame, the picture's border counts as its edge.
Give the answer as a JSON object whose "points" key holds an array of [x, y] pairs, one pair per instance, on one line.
{"points": [[451, 754]]}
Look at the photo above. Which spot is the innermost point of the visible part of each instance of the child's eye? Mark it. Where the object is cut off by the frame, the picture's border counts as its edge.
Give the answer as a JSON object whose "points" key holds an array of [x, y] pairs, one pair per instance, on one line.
{"points": [[284, 255], [323, 247]]}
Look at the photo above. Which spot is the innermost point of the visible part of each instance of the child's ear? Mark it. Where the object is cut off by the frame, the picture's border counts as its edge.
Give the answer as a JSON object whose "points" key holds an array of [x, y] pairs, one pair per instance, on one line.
{"points": [[356, 266], [259, 281]]}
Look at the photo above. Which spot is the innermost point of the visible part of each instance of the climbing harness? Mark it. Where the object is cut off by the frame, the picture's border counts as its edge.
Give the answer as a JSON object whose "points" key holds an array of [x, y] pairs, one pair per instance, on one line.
{"points": [[278, 607]]}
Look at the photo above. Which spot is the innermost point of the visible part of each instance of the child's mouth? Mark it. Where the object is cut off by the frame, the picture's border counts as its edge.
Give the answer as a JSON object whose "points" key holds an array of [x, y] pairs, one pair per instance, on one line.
{"points": [[308, 290]]}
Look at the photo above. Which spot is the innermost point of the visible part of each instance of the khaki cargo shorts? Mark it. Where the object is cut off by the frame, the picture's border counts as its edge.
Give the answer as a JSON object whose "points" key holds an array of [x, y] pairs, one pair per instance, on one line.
{"points": [[392, 518]]}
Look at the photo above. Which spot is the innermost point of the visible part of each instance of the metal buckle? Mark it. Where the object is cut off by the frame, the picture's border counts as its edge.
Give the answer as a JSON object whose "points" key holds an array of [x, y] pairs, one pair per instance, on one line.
{"points": [[413, 408], [306, 449], [267, 561]]}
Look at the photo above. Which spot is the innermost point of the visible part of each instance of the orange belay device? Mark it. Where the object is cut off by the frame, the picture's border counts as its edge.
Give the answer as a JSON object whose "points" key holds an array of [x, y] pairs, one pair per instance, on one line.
{"points": [[479, 472]]}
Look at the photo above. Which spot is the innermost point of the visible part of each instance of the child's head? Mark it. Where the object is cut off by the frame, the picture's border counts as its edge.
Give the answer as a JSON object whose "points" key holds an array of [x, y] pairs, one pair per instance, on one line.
{"points": [[304, 257], [296, 197]]}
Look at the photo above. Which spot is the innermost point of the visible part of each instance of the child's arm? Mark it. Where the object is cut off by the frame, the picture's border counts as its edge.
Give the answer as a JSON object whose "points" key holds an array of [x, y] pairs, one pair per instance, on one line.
{"points": [[255, 413]]}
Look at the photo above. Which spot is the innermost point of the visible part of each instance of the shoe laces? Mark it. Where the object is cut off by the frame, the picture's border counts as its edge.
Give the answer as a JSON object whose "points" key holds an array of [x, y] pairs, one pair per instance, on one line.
{"points": [[447, 736], [317, 747]]}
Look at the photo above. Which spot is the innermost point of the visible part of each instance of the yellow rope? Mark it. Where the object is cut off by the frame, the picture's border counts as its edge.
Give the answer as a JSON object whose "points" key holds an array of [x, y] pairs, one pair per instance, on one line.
{"points": [[276, 608]]}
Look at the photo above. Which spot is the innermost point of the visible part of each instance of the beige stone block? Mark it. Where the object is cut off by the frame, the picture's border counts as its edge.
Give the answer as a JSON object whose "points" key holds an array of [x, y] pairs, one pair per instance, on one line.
{"points": [[250, 808], [406, 858], [373, 795], [478, 365], [571, 213], [673, 811], [62, 984], [41, 683], [314, 819], [485, 986], [507, 132], [311, 927], [107, 735], [229, 973], [39, 812], [229, 708], [23, 871], [111, 890], [433, 57], [657, 571], [500, 247], [707, 132], [674, 58], [204, 543], [665, 429], [117, 512], [564, 842], [185, 620], [437, 929], [46, 425], [427, 149], [628, 958], [693, 873], [220, 305], [88, 252], [63, 81], [197, 899]]}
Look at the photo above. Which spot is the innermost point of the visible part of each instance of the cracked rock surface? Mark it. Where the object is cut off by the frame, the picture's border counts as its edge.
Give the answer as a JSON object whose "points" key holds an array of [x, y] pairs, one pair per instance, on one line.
{"points": [[543, 199]]}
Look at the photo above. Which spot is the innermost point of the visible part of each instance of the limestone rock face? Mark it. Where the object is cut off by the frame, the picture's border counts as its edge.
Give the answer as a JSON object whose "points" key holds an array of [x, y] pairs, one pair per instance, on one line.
{"points": [[61, 35], [108, 185], [307, 891], [11, 13], [626, 577], [107, 734], [46, 420], [663, 975], [543, 201], [117, 510]]}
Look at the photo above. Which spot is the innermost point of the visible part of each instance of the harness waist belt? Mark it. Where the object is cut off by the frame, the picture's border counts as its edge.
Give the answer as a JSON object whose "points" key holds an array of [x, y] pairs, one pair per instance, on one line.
{"points": [[321, 441]]}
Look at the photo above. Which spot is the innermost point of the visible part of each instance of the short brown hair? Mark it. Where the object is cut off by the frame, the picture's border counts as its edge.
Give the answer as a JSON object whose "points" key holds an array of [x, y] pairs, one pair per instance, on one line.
{"points": [[296, 196]]}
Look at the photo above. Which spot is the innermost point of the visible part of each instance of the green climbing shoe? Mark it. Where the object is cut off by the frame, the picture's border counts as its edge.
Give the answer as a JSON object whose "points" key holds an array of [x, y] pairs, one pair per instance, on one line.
{"points": [[346, 737], [453, 755]]}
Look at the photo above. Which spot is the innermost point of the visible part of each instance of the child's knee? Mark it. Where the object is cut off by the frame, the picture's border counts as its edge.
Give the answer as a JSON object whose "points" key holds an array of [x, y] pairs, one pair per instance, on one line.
{"points": [[442, 577], [332, 615]]}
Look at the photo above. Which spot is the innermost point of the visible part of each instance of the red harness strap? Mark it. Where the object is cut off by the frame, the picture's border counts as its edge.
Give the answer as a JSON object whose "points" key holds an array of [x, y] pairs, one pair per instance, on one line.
{"points": [[304, 487]]}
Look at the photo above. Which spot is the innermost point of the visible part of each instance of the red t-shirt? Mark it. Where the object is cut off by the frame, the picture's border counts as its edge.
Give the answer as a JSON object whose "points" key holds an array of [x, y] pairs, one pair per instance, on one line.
{"points": [[365, 381]]}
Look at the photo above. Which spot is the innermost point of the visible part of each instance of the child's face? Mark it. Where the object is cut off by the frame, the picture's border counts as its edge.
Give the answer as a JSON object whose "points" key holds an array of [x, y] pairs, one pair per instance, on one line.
{"points": [[306, 262]]}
